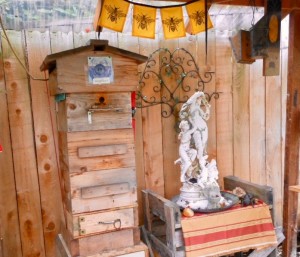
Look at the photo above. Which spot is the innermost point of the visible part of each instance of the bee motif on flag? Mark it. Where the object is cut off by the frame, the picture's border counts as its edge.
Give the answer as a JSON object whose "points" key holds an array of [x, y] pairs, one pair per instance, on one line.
{"points": [[114, 13], [198, 17], [172, 23], [143, 20]]}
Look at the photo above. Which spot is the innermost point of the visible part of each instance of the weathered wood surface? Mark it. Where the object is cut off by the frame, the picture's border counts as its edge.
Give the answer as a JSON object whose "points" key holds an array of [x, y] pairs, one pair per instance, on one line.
{"points": [[38, 48], [162, 225], [95, 111], [89, 245], [24, 155], [98, 139], [138, 250], [224, 109], [267, 100], [110, 178], [170, 140], [241, 121], [70, 78], [257, 124], [86, 224], [291, 176], [10, 231], [152, 134]]}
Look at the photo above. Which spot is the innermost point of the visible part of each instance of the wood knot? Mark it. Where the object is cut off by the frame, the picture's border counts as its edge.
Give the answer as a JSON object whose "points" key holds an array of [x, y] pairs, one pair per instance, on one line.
{"points": [[14, 85], [72, 106], [7, 65], [43, 138], [51, 226], [47, 166]]}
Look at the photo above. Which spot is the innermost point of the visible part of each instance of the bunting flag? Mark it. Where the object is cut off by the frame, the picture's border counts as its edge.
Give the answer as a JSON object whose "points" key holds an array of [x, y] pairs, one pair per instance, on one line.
{"points": [[144, 18], [173, 24], [113, 14], [196, 13]]}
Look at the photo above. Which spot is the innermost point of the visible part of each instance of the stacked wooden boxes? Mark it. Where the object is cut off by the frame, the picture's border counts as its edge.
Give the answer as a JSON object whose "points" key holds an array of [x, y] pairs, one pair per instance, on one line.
{"points": [[96, 148]]}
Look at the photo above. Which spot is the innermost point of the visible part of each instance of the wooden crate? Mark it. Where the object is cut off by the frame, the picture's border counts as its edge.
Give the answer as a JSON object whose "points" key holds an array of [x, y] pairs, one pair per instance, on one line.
{"points": [[162, 225], [98, 243], [86, 224], [163, 220], [95, 111], [96, 175], [137, 250], [97, 150]]}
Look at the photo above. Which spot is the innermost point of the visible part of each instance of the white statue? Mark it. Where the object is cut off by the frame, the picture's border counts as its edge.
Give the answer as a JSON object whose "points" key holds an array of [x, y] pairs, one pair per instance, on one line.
{"points": [[186, 153], [199, 176], [192, 110]]}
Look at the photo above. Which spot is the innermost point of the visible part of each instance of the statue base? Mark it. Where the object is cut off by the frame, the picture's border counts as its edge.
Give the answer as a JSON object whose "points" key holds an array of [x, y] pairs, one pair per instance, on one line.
{"points": [[209, 199]]}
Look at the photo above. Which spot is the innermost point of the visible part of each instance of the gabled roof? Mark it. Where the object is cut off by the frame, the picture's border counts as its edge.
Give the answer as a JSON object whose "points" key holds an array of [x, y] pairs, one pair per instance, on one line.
{"points": [[94, 45]]}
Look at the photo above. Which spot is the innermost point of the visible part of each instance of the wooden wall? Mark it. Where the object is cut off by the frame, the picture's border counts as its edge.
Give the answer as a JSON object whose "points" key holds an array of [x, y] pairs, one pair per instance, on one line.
{"points": [[246, 130]]}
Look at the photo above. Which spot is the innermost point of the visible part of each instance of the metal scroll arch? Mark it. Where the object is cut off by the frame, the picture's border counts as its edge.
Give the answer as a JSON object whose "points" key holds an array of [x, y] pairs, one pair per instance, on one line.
{"points": [[169, 79]]}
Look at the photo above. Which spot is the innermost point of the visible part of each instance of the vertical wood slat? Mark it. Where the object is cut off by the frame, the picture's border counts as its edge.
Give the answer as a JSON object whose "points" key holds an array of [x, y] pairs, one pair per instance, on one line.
{"points": [[139, 153], [224, 108], [152, 133], [169, 133], [273, 141], [257, 125], [210, 88], [38, 48], [27, 184], [241, 88], [56, 39], [284, 81], [291, 169], [10, 244], [83, 38]]}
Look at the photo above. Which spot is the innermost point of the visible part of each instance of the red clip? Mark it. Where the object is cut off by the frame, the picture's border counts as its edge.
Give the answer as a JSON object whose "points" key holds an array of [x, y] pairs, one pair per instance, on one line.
{"points": [[1, 149]]}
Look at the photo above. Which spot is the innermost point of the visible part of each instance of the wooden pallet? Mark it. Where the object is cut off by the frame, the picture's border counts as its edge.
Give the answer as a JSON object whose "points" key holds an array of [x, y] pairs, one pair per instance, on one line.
{"points": [[162, 225]]}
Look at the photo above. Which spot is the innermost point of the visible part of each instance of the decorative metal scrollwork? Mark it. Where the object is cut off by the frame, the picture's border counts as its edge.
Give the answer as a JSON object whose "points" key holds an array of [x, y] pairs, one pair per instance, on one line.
{"points": [[169, 79]]}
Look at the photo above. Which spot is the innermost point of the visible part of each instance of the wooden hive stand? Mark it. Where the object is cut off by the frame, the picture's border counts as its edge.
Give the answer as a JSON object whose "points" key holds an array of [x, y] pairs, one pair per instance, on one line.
{"points": [[162, 228]]}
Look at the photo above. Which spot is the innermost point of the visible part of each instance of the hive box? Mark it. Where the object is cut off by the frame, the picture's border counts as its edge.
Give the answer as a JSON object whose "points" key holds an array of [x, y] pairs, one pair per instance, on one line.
{"points": [[93, 86]]}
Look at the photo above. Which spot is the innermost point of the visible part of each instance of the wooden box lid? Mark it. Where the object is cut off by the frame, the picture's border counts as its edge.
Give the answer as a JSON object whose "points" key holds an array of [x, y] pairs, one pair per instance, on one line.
{"points": [[71, 70]]}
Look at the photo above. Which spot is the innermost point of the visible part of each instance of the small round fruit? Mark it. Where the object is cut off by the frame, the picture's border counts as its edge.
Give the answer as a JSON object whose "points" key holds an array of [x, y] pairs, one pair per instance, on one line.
{"points": [[188, 212]]}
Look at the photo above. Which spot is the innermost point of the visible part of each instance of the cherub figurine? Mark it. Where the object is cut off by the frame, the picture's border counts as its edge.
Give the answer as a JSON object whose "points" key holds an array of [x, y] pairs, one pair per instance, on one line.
{"points": [[198, 118], [193, 112], [186, 153]]}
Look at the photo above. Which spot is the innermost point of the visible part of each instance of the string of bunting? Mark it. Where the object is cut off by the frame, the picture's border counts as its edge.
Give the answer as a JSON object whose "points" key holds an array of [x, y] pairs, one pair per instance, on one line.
{"points": [[114, 14]]}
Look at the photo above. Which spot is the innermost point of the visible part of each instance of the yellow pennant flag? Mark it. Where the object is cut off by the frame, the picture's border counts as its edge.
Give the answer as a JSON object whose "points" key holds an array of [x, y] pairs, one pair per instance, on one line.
{"points": [[113, 14], [173, 24], [143, 21], [196, 13]]}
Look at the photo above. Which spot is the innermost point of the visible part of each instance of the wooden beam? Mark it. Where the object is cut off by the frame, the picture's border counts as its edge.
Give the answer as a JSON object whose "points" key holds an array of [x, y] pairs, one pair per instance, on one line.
{"points": [[290, 203]]}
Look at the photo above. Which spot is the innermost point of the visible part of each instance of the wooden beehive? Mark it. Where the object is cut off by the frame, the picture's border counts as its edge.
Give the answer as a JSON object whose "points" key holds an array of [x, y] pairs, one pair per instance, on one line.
{"points": [[93, 86]]}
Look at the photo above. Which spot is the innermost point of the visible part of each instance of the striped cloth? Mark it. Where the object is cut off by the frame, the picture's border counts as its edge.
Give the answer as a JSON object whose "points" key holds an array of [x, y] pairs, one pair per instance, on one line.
{"points": [[226, 232]]}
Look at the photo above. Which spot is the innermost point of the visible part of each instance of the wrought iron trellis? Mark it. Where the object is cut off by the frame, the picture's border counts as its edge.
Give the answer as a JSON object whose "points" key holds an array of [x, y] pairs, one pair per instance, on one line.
{"points": [[169, 79]]}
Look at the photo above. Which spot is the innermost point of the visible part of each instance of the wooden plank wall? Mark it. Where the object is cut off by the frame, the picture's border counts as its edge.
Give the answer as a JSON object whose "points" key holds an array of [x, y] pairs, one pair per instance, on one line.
{"points": [[246, 130], [31, 209]]}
